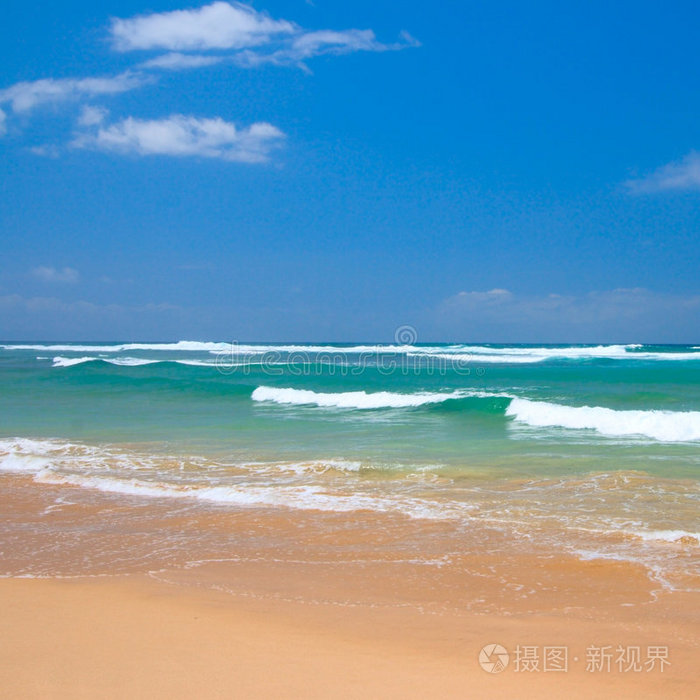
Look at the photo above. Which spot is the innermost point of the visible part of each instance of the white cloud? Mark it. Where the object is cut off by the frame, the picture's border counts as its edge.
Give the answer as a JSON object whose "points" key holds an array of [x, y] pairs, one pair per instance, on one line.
{"points": [[91, 116], [52, 315], [246, 37], [51, 274], [313, 43], [180, 61], [317, 43], [495, 296], [681, 175], [610, 313], [220, 25], [180, 135], [327, 41], [46, 150], [25, 96], [252, 37]]}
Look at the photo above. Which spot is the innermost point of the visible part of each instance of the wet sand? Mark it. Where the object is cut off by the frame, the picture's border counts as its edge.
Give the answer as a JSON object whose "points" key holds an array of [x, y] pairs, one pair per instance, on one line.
{"points": [[170, 602]]}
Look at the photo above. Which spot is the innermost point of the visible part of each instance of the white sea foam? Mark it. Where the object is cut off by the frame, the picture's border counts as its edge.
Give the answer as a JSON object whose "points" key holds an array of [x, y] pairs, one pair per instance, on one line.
{"points": [[483, 353], [576, 505], [180, 346], [522, 355], [482, 359], [527, 351], [666, 426], [195, 363], [130, 361], [351, 399], [480, 353], [305, 497], [675, 536], [60, 361], [70, 361], [19, 463], [456, 352], [315, 466], [53, 462], [330, 349], [32, 456], [27, 455], [302, 497], [119, 361], [467, 352], [211, 347]]}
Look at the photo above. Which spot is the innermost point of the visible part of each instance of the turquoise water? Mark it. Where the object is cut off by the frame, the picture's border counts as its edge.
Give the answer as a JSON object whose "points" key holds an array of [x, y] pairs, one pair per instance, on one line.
{"points": [[209, 405], [568, 439]]}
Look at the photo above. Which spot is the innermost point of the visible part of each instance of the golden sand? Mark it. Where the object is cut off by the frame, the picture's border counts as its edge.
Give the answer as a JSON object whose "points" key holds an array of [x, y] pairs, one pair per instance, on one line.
{"points": [[276, 603]]}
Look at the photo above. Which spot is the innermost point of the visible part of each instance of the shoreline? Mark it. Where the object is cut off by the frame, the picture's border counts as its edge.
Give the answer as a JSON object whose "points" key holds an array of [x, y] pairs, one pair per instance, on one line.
{"points": [[223, 602]]}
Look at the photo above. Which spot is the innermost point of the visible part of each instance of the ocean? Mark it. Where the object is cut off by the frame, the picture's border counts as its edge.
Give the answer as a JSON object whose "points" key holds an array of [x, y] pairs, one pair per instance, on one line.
{"points": [[590, 451]]}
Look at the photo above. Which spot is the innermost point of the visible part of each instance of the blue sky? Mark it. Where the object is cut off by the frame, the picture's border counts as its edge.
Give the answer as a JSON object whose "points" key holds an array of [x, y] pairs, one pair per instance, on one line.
{"points": [[329, 171]]}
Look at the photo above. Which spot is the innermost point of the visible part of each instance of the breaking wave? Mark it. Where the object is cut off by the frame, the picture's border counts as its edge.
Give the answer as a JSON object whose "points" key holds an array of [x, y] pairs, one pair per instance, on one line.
{"points": [[515, 354], [352, 399], [665, 426], [119, 361]]}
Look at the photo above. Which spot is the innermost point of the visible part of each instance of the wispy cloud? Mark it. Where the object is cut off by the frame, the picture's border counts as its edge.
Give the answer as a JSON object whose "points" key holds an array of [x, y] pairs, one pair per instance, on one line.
{"points": [[181, 61], [180, 135], [53, 315], [595, 306], [90, 116], [610, 313], [181, 40], [66, 275], [467, 300], [249, 37], [25, 96], [220, 25], [313, 43], [680, 175], [46, 150], [324, 42]]}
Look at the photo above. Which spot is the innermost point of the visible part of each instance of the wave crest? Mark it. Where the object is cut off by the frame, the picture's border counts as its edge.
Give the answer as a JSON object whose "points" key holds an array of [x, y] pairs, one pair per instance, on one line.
{"points": [[665, 426], [351, 399], [513, 354]]}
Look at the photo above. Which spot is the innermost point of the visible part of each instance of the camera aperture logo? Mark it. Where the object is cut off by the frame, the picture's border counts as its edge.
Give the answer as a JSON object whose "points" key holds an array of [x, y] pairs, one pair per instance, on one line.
{"points": [[493, 658], [608, 658]]}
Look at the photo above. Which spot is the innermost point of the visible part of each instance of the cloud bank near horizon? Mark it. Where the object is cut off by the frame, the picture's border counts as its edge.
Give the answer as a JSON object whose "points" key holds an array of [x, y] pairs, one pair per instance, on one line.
{"points": [[605, 315], [499, 315]]}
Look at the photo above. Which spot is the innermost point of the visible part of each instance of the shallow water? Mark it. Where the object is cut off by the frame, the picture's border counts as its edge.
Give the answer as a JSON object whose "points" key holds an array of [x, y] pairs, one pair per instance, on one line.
{"points": [[590, 450]]}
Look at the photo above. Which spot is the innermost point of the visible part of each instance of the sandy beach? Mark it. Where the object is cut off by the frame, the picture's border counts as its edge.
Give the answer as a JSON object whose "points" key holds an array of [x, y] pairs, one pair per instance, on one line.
{"points": [[267, 619], [136, 638]]}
